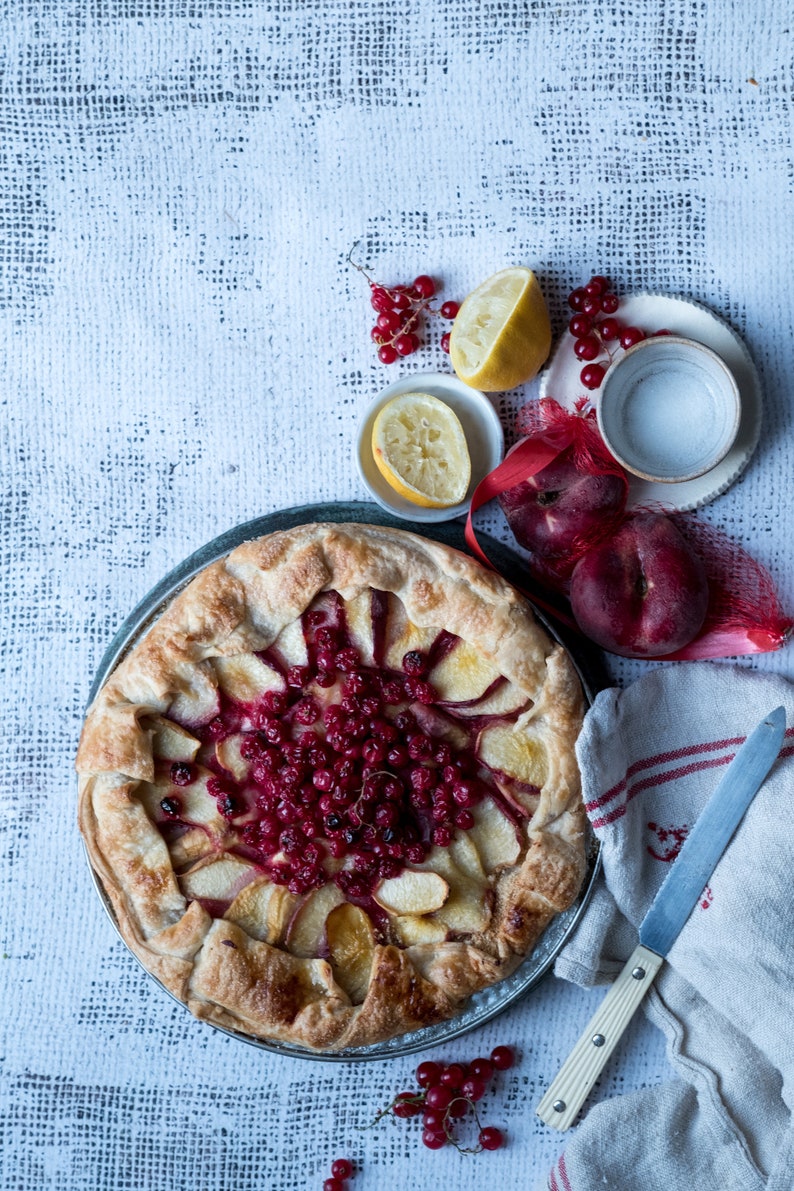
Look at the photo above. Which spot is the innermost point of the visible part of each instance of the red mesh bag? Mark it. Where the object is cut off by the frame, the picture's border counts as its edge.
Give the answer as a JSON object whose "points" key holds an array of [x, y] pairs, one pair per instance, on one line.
{"points": [[564, 496]]}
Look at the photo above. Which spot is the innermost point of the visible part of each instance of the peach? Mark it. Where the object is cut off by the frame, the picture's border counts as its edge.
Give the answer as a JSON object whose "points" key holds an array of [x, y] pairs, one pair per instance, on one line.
{"points": [[643, 592]]}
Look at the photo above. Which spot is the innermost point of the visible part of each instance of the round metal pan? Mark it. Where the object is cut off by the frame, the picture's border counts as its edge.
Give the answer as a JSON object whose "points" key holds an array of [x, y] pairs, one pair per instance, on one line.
{"points": [[490, 1002]]}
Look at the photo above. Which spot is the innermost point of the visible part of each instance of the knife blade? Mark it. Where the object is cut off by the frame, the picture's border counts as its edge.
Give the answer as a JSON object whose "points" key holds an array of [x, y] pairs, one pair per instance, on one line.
{"points": [[669, 911]]}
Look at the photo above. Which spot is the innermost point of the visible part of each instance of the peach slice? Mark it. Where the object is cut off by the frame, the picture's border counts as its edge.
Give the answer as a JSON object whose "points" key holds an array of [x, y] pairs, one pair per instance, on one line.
{"points": [[506, 699], [516, 755], [198, 702], [413, 929], [494, 836], [402, 636], [465, 856], [307, 926], [466, 908], [228, 753], [351, 945], [440, 726], [189, 847], [412, 892], [462, 674], [196, 805], [358, 615], [218, 880], [263, 910], [170, 742], [246, 678], [290, 645]]}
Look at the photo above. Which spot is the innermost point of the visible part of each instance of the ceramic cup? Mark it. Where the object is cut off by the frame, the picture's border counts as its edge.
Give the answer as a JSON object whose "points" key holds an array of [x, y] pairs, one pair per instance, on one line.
{"points": [[669, 409]]}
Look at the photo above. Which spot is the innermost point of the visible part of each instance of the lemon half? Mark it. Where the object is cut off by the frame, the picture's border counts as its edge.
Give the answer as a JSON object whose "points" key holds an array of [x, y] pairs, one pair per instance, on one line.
{"points": [[501, 334], [420, 450]]}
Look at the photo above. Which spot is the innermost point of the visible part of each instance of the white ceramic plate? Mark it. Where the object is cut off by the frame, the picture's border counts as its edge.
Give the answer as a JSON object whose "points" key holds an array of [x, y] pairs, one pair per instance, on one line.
{"points": [[481, 425], [682, 316]]}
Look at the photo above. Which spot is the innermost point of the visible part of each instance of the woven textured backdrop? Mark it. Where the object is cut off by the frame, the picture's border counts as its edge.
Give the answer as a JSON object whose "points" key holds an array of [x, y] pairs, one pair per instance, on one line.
{"points": [[184, 346]]}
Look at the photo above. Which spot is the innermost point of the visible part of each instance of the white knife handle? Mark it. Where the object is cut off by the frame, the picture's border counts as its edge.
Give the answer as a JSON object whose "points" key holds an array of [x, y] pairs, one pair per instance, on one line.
{"points": [[568, 1092]]}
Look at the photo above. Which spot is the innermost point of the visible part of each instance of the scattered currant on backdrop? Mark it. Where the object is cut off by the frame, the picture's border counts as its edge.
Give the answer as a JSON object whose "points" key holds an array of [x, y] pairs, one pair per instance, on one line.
{"points": [[341, 1171], [595, 328], [446, 1094], [401, 310]]}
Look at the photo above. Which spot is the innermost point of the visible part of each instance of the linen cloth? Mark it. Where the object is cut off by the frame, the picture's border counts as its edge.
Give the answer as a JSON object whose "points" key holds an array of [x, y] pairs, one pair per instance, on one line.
{"points": [[184, 347], [651, 756]]}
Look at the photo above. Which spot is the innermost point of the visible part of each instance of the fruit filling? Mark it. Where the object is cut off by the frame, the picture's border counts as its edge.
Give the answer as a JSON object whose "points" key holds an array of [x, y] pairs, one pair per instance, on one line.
{"points": [[361, 759]]}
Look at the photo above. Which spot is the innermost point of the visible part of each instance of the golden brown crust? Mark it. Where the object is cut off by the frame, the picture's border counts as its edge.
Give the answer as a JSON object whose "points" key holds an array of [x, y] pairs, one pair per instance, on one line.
{"points": [[240, 605]]}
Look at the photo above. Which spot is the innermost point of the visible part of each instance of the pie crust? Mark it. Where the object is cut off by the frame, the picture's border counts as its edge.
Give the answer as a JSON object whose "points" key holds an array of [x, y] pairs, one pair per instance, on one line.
{"points": [[368, 927]]}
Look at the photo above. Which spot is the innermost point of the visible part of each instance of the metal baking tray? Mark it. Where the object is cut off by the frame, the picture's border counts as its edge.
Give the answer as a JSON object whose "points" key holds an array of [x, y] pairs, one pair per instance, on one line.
{"points": [[490, 1002]]}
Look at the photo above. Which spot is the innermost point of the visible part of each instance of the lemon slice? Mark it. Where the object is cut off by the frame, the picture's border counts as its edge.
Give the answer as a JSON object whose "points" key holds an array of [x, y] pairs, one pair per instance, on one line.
{"points": [[420, 450], [501, 334]]}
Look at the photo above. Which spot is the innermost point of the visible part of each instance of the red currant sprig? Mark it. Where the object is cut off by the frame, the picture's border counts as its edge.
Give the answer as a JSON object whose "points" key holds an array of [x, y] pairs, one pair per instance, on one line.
{"points": [[446, 1094], [400, 312], [341, 1171], [594, 327]]}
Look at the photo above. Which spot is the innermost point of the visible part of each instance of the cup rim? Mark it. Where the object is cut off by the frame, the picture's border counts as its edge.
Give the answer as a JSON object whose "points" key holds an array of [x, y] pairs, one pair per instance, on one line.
{"points": [[729, 390]]}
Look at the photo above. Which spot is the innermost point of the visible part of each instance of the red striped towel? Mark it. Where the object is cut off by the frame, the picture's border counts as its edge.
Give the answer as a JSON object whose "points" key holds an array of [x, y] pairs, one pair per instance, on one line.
{"points": [[651, 756]]}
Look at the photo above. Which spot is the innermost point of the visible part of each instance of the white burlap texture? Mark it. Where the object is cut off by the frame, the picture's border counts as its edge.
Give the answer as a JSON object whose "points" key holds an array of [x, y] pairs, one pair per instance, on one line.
{"points": [[183, 346]]}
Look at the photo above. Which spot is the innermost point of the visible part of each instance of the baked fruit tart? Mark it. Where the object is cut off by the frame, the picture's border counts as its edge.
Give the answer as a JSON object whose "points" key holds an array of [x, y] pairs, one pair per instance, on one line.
{"points": [[333, 791]]}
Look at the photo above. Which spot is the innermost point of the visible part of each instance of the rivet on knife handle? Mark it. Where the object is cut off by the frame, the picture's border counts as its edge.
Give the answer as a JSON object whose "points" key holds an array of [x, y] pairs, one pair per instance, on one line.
{"points": [[584, 1064]]}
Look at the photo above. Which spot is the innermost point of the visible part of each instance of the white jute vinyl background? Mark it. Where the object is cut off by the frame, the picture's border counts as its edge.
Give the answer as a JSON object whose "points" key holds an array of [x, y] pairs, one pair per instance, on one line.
{"points": [[183, 347]]}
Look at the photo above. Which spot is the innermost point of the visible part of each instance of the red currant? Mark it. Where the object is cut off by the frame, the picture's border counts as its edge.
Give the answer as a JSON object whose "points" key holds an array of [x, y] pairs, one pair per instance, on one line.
{"points": [[424, 286], [405, 1105], [591, 306], [630, 336], [576, 298], [473, 1089], [502, 1058], [438, 1096], [387, 354], [482, 1069], [610, 329], [609, 303], [381, 299], [445, 342], [450, 310], [427, 1073], [400, 300], [580, 325], [657, 334], [433, 1119], [453, 1076], [342, 1168], [377, 335], [596, 286], [389, 321], [434, 1140], [592, 375], [334, 1185], [588, 348], [406, 345], [491, 1138]]}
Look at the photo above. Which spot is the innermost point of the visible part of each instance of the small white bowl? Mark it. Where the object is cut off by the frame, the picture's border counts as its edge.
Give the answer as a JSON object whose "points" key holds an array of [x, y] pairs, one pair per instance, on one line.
{"points": [[481, 426], [669, 409]]}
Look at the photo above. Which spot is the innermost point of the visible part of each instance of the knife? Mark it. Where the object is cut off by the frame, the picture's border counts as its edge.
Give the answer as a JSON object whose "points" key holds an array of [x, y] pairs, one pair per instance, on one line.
{"points": [[669, 911]]}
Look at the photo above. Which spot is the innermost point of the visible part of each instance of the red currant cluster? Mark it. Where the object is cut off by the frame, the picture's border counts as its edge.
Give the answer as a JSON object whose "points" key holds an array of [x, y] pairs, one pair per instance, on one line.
{"points": [[400, 311], [341, 1171], [446, 1094], [594, 328]]}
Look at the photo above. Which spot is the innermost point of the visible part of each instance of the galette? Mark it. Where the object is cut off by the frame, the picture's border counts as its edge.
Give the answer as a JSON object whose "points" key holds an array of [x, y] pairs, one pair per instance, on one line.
{"points": [[333, 791]]}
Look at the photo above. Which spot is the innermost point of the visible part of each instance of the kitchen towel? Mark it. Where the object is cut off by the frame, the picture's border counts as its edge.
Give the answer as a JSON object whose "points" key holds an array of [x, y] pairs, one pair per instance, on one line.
{"points": [[651, 756]]}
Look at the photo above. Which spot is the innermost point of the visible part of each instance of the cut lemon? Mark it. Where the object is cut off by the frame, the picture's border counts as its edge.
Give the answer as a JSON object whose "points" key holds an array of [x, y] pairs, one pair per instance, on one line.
{"points": [[501, 334], [420, 450]]}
